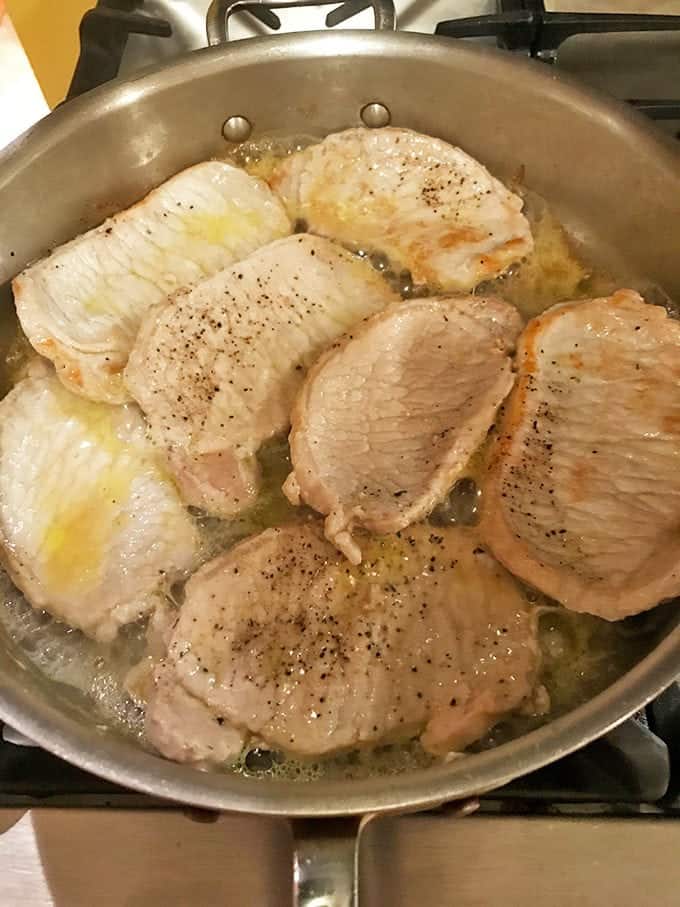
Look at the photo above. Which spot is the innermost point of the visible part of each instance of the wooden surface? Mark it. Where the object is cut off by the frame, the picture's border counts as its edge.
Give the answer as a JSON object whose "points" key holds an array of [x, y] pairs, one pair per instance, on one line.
{"points": [[108, 858]]}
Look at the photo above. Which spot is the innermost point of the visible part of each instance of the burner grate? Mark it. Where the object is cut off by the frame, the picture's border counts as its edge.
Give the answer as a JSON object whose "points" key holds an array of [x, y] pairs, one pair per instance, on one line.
{"points": [[526, 26], [104, 32], [522, 26]]}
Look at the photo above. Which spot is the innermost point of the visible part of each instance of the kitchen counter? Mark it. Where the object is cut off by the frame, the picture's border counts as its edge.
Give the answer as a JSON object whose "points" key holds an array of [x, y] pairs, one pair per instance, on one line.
{"points": [[121, 858]]}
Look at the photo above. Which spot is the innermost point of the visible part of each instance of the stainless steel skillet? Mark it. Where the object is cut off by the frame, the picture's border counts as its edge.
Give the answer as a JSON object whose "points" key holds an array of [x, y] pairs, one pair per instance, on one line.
{"points": [[606, 173]]}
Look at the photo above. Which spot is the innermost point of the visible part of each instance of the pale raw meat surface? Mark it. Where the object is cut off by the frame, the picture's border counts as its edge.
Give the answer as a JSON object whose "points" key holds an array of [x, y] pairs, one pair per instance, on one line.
{"points": [[216, 370], [181, 727], [91, 525], [82, 305], [288, 642], [583, 498], [387, 420], [184, 729], [430, 207], [140, 679]]}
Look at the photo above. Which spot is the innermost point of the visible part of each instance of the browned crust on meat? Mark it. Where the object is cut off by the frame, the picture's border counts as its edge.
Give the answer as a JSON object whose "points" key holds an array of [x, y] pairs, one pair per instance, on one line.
{"points": [[573, 591], [416, 256], [85, 378], [461, 235], [72, 370]]}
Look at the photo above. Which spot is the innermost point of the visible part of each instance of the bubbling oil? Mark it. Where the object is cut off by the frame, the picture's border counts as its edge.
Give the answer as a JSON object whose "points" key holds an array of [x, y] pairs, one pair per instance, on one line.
{"points": [[581, 655], [259, 158], [68, 658]]}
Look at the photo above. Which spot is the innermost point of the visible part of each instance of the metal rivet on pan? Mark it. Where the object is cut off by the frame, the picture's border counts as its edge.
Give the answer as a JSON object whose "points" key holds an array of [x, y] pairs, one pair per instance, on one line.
{"points": [[236, 129], [375, 115]]}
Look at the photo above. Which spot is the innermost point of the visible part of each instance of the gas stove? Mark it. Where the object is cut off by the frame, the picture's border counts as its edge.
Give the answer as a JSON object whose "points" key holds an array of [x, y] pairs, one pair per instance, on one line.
{"points": [[634, 770], [548, 837], [634, 56]]}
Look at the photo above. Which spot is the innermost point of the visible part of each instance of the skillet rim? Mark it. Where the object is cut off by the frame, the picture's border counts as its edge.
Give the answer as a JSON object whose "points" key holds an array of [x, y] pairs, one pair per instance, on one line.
{"points": [[124, 762]]}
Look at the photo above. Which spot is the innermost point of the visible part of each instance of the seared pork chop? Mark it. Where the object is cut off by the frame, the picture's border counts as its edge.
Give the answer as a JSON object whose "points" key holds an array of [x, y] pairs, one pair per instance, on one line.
{"points": [[91, 525], [428, 206], [81, 306], [387, 420], [180, 726], [284, 640], [216, 370], [184, 729], [583, 497]]}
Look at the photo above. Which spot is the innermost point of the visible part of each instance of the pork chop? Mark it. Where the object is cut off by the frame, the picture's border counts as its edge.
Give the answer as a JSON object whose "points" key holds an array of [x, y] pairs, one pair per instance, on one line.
{"points": [[82, 305], [181, 727], [91, 525], [387, 420], [216, 371], [286, 641], [583, 497], [184, 729], [428, 206]]}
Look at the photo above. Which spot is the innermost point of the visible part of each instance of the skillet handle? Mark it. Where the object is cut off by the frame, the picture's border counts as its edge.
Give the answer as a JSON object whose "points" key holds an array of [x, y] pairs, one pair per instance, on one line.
{"points": [[326, 867], [219, 12]]}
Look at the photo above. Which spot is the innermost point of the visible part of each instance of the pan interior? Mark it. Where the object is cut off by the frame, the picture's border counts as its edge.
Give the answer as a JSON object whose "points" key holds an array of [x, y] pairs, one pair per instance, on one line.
{"points": [[460, 95]]}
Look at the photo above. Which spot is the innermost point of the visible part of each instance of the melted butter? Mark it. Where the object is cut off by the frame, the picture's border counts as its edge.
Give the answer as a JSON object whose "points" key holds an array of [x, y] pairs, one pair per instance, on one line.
{"points": [[94, 304], [551, 273], [260, 158], [222, 229], [96, 421], [105, 299], [263, 167], [226, 228], [328, 209], [77, 539], [85, 518]]}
